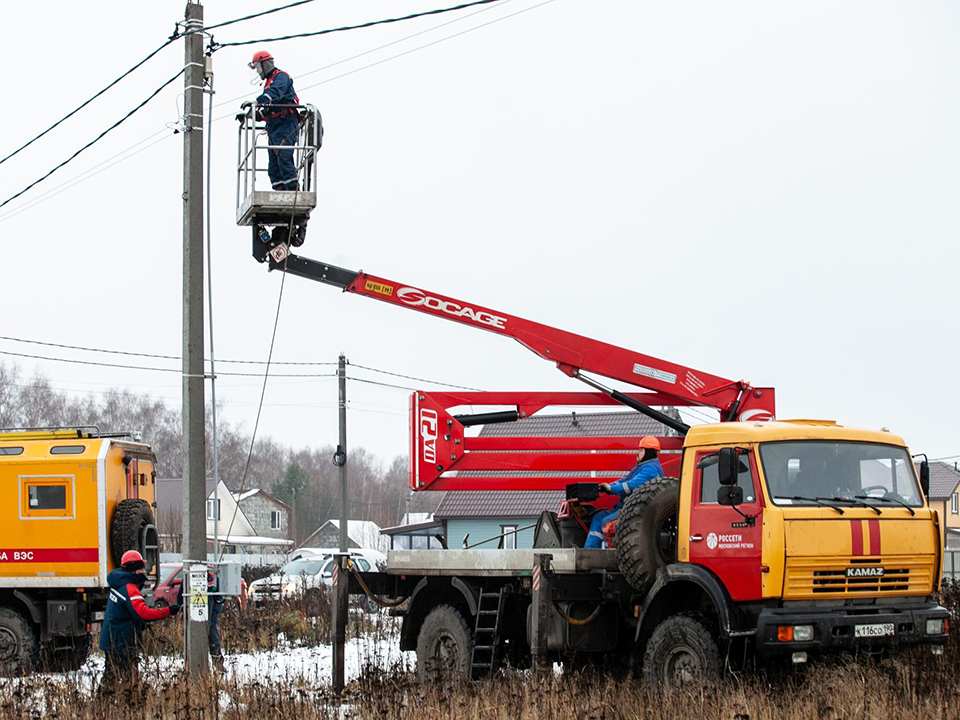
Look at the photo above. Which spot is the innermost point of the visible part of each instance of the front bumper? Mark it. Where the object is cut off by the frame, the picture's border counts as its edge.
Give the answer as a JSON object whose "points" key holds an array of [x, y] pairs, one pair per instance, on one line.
{"points": [[834, 628]]}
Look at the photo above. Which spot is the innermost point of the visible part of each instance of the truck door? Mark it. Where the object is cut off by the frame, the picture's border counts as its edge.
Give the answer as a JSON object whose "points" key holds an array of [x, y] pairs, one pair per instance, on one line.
{"points": [[721, 539]]}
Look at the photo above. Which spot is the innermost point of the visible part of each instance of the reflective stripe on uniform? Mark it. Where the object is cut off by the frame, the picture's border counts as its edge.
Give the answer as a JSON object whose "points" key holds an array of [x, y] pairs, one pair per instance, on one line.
{"points": [[594, 533]]}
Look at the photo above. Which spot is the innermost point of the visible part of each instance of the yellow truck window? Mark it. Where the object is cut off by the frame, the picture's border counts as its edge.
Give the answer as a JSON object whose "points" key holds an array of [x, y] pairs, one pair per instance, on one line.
{"points": [[46, 497]]}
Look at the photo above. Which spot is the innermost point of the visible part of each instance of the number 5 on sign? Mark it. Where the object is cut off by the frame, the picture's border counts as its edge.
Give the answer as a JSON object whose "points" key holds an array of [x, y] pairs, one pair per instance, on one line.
{"points": [[197, 595]]}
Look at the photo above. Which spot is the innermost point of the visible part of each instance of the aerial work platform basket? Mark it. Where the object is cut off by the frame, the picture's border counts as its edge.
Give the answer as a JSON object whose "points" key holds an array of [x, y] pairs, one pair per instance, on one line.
{"points": [[257, 202]]}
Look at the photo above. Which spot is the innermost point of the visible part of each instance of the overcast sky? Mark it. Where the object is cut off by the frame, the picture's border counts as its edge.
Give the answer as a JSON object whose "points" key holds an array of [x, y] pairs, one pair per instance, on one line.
{"points": [[763, 191]]}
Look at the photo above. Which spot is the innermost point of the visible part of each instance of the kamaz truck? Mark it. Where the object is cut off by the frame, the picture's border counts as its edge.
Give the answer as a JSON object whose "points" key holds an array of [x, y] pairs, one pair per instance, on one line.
{"points": [[766, 539]]}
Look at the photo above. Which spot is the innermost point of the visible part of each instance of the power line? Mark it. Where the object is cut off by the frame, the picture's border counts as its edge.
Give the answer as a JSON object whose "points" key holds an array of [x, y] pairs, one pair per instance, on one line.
{"points": [[89, 173], [89, 100], [429, 44], [96, 139], [301, 75], [157, 369], [256, 15], [382, 384], [149, 355], [372, 23], [410, 377]]}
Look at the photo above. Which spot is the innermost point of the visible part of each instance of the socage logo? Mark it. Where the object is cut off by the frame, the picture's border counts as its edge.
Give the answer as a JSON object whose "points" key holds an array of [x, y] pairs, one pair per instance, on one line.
{"points": [[712, 541], [428, 431], [416, 298]]}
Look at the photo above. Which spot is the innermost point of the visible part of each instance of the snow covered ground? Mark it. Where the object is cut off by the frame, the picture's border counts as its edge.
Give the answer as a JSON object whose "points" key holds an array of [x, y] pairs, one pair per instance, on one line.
{"points": [[310, 667]]}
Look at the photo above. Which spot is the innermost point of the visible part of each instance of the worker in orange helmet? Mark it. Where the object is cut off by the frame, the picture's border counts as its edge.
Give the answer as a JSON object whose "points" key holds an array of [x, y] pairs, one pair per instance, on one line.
{"points": [[648, 467], [281, 119], [123, 621]]}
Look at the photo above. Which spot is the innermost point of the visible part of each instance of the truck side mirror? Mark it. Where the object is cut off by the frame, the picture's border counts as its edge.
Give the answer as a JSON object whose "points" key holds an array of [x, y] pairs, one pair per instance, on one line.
{"points": [[727, 466], [925, 477], [729, 495]]}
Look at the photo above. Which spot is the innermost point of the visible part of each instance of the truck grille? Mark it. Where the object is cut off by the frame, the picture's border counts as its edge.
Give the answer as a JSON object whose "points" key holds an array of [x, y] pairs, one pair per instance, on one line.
{"points": [[819, 577]]}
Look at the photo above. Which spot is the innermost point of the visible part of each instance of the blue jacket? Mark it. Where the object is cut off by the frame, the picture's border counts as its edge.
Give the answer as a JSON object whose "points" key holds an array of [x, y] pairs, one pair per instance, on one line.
{"points": [[278, 90], [644, 471], [126, 612]]}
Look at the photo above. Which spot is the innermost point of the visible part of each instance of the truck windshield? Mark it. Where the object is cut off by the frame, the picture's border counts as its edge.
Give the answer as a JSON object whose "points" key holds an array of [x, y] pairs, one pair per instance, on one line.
{"points": [[804, 472]]}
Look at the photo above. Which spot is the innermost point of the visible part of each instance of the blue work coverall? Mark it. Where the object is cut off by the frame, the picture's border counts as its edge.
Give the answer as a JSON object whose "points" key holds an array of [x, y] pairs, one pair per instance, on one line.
{"points": [[282, 128], [644, 471], [123, 621]]}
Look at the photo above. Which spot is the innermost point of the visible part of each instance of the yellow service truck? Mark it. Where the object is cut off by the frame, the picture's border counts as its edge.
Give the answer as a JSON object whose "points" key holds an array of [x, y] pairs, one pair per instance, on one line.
{"points": [[73, 500]]}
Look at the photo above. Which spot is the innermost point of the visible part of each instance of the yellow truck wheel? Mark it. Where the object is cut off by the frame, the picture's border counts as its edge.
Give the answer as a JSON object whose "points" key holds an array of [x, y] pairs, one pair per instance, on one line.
{"points": [[133, 528], [19, 644]]}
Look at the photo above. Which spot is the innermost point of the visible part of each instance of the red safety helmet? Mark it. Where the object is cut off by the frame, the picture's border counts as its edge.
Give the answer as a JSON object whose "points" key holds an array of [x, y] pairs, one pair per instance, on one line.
{"points": [[259, 56], [651, 443], [131, 556]]}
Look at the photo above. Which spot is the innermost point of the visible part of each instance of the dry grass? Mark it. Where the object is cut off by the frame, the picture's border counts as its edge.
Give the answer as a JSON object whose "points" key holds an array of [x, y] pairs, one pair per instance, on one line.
{"points": [[914, 684]]}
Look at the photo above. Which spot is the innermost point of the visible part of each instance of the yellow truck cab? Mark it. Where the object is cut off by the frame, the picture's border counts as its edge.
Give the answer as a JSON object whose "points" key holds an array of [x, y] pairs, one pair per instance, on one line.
{"points": [[803, 536], [72, 500]]}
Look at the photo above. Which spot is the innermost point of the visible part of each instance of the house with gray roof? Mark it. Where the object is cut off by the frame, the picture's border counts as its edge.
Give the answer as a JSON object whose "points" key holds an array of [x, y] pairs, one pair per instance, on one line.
{"points": [[944, 497], [505, 519]]}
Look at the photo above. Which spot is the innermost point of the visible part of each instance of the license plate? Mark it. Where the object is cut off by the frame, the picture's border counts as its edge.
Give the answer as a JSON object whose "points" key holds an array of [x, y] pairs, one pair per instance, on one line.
{"points": [[874, 630]]}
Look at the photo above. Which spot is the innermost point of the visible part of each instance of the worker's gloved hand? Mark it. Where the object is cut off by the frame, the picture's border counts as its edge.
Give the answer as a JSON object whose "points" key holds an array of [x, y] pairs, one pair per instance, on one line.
{"points": [[604, 488], [174, 609]]}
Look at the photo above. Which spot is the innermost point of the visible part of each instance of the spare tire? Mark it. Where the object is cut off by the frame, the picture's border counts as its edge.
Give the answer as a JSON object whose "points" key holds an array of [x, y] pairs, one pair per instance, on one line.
{"points": [[133, 528], [646, 537]]}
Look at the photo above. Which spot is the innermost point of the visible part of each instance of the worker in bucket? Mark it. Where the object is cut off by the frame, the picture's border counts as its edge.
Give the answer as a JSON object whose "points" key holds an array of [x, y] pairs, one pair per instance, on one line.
{"points": [[647, 468], [281, 119], [123, 621]]}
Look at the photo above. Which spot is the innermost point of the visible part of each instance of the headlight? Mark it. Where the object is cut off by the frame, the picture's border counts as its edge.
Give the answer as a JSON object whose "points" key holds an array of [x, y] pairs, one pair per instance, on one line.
{"points": [[936, 627], [290, 587], [802, 633]]}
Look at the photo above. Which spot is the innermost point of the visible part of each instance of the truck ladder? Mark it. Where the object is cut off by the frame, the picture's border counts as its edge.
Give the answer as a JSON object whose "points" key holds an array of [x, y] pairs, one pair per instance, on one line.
{"points": [[486, 637]]}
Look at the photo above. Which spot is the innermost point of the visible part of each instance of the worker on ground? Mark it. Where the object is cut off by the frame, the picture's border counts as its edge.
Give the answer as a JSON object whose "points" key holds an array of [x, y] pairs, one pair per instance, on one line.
{"points": [[647, 468], [216, 607], [281, 119], [122, 633]]}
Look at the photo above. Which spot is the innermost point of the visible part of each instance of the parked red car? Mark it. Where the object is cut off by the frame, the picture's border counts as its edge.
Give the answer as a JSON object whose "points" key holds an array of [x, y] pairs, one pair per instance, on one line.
{"points": [[171, 580]]}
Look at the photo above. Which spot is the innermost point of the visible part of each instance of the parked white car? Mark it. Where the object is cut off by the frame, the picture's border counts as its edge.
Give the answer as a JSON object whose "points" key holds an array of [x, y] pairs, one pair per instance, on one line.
{"points": [[311, 569]]}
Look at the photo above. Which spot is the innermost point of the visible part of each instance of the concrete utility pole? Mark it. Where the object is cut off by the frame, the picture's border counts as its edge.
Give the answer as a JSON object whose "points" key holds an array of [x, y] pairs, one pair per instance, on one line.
{"points": [[194, 446], [341, 587]]}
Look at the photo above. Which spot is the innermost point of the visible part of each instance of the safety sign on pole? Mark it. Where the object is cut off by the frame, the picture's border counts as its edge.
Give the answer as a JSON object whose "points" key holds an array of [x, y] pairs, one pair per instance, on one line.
{"points": [[197, 593]]}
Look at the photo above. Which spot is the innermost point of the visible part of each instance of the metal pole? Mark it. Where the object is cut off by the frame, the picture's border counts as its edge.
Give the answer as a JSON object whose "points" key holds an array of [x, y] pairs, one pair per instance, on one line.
{"points": [[341, 586], [194, 450]]}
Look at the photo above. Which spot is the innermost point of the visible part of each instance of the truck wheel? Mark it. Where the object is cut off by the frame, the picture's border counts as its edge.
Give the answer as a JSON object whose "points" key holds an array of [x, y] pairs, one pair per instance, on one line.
{"points": [[129, 531], [646, 535], [19, 644], [681, 651], [444, 646]]}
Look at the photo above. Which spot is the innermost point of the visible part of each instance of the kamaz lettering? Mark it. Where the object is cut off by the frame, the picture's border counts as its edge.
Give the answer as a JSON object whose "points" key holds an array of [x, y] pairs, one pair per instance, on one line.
{"points": [[416, 298], [428, 431]]}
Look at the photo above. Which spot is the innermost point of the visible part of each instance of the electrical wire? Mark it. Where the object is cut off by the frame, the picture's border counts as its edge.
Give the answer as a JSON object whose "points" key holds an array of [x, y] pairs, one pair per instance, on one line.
{"points": [[89, 173], [95, 140], [417, 379], [156, 369], [426, 45], [301, 75], [151, 355], [256, 15], [89, 100], [345, 28]]}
